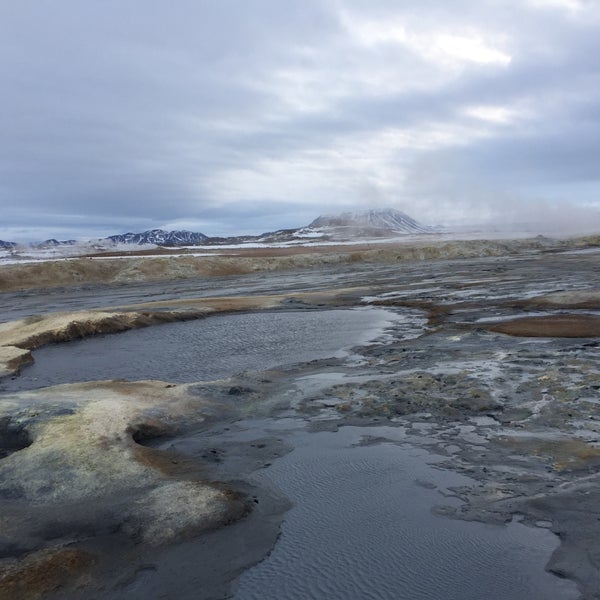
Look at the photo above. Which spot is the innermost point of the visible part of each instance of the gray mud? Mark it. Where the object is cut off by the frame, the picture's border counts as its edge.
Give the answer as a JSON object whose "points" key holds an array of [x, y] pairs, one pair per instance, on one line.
{"points": [[512, 424]]}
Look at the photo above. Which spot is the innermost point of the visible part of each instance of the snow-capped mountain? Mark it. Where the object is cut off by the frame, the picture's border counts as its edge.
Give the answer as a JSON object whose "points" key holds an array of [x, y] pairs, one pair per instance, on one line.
{"points": [[53, 242], [388, 221], [347, 226], [159, 237]]}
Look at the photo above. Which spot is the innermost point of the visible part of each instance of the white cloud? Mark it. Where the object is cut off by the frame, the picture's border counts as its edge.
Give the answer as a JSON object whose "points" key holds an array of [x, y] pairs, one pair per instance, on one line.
{"points": [[471, 49], [351, 169], [568, 5], [427, 40], [494, 114], [176, 115], [371, 33]]}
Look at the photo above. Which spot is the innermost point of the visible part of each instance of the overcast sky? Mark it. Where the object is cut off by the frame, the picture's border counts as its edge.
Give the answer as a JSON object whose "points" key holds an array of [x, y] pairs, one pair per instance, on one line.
{"points": [[243, 116]]}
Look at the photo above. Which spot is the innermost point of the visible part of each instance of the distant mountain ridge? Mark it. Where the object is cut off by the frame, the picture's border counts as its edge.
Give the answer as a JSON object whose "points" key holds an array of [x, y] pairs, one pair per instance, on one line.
{"points": [[376, 223], [160, 237], [53, 242]]}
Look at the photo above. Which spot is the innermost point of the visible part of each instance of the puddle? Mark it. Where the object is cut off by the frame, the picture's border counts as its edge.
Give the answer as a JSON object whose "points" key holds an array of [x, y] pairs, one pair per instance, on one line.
{"points": [[212, 348], [362, 527]]}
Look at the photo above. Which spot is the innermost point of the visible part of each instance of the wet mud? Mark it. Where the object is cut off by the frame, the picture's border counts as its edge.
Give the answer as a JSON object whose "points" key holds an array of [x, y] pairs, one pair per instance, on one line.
{"points": [[500, 381]]}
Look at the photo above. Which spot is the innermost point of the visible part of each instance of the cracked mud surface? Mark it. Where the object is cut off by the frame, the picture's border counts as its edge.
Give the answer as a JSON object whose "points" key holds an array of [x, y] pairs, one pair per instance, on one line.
{"points": [[501, 381]]}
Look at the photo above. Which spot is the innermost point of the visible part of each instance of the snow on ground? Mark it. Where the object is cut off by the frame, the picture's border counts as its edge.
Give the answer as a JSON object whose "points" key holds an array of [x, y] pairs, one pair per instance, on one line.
{"points": [[29, 254], [184, 255]]}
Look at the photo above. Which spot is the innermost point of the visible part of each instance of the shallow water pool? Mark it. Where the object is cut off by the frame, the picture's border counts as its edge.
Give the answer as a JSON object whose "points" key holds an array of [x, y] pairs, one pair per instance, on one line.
{"points": [[362, 528], [212, 348]]}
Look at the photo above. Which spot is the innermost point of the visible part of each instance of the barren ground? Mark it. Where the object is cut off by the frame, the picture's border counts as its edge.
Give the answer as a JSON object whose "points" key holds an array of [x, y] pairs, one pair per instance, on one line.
{"points": [[502, 379]]}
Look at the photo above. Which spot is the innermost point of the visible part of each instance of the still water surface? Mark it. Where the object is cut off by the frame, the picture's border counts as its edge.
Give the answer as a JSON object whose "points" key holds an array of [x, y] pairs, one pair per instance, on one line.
{"points": [[208, 349], [362, 528]]}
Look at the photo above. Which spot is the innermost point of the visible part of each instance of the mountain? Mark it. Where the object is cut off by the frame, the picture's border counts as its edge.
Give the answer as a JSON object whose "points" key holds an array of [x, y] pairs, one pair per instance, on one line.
{"points": [[53, 242], [159, 237], [347, 226], [380, 222]]}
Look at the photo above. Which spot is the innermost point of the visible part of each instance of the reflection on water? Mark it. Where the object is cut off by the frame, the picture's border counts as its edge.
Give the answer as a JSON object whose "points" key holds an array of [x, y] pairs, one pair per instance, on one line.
{"points": [[361, 527], [212, 348]]}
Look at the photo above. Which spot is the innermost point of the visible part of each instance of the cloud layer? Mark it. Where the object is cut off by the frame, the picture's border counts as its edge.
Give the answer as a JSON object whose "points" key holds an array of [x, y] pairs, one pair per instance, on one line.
{"points": [[248, 116]]}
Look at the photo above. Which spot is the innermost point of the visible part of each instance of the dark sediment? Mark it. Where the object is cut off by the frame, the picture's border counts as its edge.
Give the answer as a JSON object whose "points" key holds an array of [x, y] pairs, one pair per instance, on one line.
{"points": [[509, 398]]}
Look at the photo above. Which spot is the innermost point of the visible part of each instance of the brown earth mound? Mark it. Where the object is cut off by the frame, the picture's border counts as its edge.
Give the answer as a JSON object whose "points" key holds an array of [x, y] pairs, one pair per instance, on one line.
{"points": [[551, 326]]}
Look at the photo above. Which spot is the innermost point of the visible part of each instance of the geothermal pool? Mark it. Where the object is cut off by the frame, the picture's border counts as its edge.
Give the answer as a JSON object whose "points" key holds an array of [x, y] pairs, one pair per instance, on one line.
{"points": [[212, 348], [362, 527], [361, 524]]}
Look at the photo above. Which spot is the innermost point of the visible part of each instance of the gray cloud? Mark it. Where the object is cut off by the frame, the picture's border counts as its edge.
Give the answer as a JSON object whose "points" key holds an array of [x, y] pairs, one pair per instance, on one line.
{"points": [[251, 116]]}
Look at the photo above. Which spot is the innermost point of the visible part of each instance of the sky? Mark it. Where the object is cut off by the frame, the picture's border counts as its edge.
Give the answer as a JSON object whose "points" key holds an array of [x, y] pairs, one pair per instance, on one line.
{"points": [[231, 116]]}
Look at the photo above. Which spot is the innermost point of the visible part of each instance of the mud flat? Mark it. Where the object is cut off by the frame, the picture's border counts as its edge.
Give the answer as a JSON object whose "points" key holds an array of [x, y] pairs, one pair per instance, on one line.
{"points": [[110, 489], [128, 267]]}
